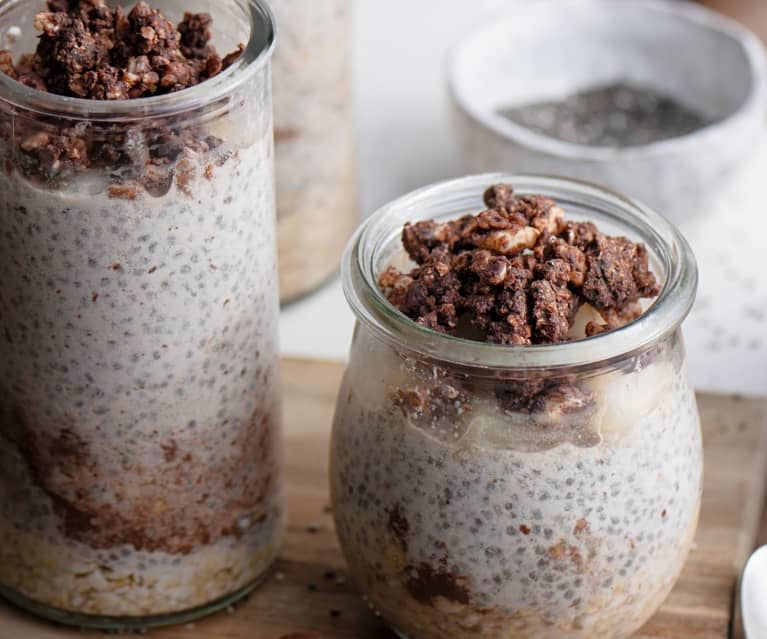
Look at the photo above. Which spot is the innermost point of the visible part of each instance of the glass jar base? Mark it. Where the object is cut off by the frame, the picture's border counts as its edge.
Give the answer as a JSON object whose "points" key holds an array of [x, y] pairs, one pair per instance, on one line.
{"points": [[98, 622]]}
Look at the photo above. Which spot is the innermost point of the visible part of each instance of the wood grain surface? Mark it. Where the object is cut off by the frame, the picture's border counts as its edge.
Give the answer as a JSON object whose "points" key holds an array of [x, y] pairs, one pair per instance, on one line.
{"points": [[308, 590]]}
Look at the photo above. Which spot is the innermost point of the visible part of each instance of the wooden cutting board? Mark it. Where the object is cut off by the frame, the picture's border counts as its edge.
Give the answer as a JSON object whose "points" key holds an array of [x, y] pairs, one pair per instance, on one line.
{"points": [[308, 590]]}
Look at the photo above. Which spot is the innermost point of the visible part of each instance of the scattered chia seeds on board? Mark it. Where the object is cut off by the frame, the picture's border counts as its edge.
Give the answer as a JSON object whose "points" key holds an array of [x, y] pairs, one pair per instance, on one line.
{"points": [[616, 115]]}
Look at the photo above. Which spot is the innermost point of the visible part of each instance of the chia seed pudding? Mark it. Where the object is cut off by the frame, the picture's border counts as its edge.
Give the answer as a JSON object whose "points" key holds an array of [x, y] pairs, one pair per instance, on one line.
{"points": [[314, 139], [139, 409], [546, 485]]}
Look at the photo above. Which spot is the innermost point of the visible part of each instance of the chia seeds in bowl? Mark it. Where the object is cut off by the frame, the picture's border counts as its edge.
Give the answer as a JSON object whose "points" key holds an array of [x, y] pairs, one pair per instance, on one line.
{"points": [[139, 409], [705, 73], [615, 115], [516, 448]]}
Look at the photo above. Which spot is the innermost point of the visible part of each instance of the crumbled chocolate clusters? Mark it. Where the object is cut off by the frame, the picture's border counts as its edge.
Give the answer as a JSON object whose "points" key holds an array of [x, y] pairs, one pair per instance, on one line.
{"points": [[90, 50], [517, 273]]}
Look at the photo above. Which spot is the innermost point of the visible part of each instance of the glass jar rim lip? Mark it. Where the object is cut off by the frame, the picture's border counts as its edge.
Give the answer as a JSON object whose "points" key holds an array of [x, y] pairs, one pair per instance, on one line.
{"points": [[257, 53], [662, 318]]}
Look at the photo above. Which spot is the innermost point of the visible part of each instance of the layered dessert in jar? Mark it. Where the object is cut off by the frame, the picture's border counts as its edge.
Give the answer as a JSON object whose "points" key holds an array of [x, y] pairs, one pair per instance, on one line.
{"points": [[516, 450], [139, 414], [314, 141]]}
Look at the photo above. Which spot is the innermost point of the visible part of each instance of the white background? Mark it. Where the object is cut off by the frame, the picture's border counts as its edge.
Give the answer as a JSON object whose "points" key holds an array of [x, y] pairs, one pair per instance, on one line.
{"points": [[400, 56]]}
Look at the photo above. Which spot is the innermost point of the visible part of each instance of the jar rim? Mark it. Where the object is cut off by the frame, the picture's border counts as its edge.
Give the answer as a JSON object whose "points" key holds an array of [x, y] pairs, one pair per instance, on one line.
{"points": [[663, 317], [257, 53]]}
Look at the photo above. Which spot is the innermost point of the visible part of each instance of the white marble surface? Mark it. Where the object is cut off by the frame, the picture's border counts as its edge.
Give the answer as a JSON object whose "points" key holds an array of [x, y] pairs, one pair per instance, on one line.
{"points": [[405, 142]]}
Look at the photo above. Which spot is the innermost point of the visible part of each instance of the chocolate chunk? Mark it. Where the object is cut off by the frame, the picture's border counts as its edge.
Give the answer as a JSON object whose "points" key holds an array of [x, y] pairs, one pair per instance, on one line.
{"points": [[490, 269], [556, 272], [513, 327], [580, 234], [500, 197], [196, 35], [576, 259], [618, 274], [432, 295], [554, 309], [515, 395], [541, 213], [230, 58], [419, 239]]}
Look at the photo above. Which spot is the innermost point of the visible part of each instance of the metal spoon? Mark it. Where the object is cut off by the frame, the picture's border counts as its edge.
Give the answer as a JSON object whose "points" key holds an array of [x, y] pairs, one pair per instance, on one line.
{"points": [[753, 595]]}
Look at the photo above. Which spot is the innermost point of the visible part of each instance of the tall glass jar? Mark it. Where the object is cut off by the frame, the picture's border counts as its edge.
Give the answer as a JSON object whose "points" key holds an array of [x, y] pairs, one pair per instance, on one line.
{"points": [[139, 409], [315, 141], [462, 515]]}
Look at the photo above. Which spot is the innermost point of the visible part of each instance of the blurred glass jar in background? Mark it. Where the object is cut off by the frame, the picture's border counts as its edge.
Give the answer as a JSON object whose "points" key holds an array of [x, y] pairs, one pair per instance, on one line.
{"points": [[462, 514], [139, 396], [314, 141]]}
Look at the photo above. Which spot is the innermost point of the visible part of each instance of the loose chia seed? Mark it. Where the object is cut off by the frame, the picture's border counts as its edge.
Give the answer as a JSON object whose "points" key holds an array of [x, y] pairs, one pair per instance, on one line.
{"points": [[617, 115]]}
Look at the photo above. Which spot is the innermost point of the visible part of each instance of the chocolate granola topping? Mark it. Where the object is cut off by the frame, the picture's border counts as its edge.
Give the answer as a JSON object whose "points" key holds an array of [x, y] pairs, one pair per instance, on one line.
{"points": [[90, 50], [518, 273]]}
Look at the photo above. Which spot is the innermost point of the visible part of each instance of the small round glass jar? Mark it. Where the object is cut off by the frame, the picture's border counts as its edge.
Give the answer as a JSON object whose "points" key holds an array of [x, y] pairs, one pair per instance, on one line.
{"points": [[139, 397], [462, 515]]}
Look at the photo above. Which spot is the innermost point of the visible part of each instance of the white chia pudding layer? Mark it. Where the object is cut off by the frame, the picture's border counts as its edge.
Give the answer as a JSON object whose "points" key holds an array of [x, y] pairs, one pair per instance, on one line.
{"points": [[315, 144], [476, 526], [139, 408]]}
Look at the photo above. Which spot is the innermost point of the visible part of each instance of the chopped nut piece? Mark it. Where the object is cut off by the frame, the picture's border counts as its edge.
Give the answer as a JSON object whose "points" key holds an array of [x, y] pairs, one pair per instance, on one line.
{"points": [[6, 64], [510, 242], [36, 141]]}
